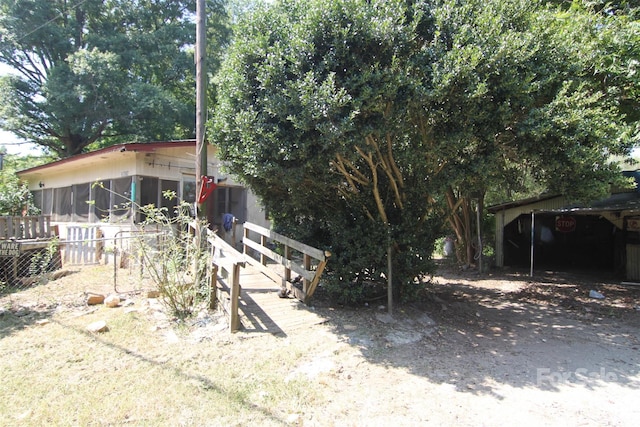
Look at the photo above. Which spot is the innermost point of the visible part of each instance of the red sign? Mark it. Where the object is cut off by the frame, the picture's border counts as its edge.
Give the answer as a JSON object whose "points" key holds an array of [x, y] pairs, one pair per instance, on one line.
{"points": [[206, 188], [565, 224]]}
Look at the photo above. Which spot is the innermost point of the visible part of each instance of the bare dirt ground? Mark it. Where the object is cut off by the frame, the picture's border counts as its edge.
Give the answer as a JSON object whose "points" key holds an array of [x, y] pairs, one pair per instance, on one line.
{"points": [[493, 349]]}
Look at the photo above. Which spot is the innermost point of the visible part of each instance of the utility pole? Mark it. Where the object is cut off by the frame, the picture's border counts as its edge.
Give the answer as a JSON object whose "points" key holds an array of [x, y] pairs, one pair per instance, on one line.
{"points": [[201, 118], [201, 101]]}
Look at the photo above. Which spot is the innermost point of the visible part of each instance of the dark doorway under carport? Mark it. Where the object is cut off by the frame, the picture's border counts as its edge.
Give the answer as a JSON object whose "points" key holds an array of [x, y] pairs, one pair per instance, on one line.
{"points": [[564, 242]]}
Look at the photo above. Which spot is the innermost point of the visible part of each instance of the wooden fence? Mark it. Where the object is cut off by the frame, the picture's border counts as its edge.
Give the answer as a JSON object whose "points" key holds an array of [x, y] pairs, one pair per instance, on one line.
{"points": [[84, 245], [22, 239], [25, 227], [226, 262]]}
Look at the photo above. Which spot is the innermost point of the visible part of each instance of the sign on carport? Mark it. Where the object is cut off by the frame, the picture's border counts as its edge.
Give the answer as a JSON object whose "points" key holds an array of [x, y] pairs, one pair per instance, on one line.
{"points": [[565, 224]]}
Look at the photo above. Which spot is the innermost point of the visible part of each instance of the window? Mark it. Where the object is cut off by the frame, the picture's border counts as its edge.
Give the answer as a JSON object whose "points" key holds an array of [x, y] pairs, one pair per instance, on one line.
{"points": [[189, 188]]}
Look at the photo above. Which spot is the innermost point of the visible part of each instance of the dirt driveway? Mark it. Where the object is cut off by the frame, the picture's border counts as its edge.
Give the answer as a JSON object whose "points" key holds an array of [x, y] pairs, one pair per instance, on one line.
{"points": [[497, 349], [494, 350]]}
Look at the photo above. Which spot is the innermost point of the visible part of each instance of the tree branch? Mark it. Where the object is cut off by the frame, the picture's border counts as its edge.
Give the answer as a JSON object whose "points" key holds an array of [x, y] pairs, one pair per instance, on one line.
{"points": [[374, 178]]}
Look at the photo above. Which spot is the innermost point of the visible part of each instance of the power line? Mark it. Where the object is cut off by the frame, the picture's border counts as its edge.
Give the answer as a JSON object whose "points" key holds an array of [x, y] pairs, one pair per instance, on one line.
{"points": [[51, 20]]}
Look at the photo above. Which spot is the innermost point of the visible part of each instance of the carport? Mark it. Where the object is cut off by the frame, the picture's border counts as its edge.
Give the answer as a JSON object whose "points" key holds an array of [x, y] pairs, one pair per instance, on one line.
{"points": [[545, 233]]}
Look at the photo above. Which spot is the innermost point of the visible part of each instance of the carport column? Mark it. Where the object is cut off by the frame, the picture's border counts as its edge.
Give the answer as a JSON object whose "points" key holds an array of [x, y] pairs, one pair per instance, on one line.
{"points": [[533, 234]]}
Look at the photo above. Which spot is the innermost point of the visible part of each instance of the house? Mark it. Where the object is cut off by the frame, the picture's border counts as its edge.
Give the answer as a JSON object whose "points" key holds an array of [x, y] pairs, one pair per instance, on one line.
{"points": [[133, 175], [603, 235]]}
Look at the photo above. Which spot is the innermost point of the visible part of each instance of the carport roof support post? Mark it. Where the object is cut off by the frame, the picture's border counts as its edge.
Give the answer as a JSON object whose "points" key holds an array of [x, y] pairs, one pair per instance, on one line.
{"points": [[533, 229]]}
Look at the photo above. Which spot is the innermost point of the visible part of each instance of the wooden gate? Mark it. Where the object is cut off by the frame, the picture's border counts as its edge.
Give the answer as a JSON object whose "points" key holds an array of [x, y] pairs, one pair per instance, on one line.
{"points": [[83, 245]]}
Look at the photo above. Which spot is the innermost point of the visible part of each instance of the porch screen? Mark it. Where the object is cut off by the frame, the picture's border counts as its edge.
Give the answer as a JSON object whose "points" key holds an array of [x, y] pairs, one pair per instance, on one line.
{"points": [[47, 201], [121, 202], [170, 204], [62, 209], [43, 200], [148, 191], [102, 197], [81, 193]]}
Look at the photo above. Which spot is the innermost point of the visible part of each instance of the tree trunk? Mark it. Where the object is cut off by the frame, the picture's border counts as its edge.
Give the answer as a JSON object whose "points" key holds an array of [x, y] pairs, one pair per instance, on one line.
{"points": [[462, 221]]}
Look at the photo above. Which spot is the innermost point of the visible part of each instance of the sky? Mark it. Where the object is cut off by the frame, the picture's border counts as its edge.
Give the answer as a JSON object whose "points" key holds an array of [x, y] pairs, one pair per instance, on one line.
{"points": [[9, 140], [16, 146]]}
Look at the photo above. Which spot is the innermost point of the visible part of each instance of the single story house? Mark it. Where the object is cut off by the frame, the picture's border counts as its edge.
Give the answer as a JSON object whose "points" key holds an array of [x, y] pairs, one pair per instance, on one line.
{"points": [[133, 175], [548, 232]]}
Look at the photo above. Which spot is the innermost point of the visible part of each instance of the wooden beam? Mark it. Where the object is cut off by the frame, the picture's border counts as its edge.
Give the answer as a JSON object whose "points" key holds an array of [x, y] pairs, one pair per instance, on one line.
{"points": [[287, 263], [294, 244], [273, 275], [314, 283]]}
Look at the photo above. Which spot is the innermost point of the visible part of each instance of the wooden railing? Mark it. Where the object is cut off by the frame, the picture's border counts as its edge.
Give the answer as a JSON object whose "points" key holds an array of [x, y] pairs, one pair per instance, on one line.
{"points": [[25, 227], [309, 271], [227, 262]]}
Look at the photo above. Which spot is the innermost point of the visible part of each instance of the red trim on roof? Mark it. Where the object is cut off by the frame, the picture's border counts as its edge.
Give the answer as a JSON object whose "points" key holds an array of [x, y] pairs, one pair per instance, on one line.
{"points": [[143, 147]]}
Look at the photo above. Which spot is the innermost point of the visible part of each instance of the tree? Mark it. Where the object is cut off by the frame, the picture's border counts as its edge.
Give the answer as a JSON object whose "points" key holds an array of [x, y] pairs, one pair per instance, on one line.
{"points": [[532, 100], [313, 116], [367, 125], [15, 197], [97, 72]]}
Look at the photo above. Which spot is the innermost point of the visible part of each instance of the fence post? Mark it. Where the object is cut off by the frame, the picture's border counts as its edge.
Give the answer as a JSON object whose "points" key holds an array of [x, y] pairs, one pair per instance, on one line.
{"points": [[306, 260], [99, 245], [234, 321], [287, 270], [263, 242]]}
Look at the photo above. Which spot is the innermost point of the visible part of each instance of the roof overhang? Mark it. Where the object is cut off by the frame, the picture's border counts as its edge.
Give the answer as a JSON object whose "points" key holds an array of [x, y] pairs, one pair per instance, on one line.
{"points": [[105, 153], [622, 204], [518, 203]]}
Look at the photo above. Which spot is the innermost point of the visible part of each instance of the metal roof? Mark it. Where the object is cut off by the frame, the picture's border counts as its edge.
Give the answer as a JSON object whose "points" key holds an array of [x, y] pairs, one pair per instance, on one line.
{"points": [[523, 202], [628, 202]]}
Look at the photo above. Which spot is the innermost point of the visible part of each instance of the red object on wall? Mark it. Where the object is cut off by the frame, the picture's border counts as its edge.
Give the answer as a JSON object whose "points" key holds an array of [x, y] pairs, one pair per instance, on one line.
{"points": [[565, 224], [206, 188]]}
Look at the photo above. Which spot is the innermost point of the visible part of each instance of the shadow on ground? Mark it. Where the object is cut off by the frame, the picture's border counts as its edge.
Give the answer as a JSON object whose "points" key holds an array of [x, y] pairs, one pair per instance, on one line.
{"points": [[479, 333]]}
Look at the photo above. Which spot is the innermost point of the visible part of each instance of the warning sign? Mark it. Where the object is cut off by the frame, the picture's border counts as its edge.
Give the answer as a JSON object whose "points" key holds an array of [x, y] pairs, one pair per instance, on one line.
{"points": [[565, 224], [9, 249]]}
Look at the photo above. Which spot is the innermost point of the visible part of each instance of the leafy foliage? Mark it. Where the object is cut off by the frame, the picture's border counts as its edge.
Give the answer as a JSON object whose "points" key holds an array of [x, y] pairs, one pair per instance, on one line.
{"points": [[15, 197], [363, 125], [173, 259], [521, 108], [98, 72], [314, 116]]}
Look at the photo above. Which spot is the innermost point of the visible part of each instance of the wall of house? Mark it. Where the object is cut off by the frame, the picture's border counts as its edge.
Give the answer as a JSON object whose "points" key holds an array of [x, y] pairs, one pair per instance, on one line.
{"points": [[150, 171]]}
